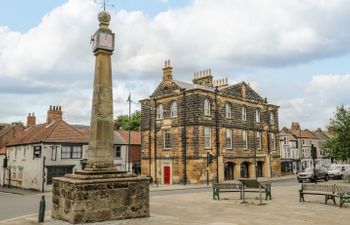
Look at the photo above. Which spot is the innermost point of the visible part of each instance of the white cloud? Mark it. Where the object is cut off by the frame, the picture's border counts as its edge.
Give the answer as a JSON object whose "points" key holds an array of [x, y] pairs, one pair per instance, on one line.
{"points": [[221, 34]]}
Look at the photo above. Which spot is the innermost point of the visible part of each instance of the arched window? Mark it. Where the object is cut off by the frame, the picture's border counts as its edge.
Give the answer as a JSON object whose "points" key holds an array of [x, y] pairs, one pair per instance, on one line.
{"points": [[206, 107], [160, 112], [173, 109], [228, 111], [244, 113]]}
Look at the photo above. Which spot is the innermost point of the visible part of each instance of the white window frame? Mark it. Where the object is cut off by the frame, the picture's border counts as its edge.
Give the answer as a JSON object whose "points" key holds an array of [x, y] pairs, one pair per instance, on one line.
{"points": [[160, 112], [259, 139], [257, 116], [206, 107], [207, 137], [272, 117], [228, 111], [229, 138], [244, 139], [244, 113], [53, 153], [71, 151], [173, 109], [118, 151], [167, 139], [273, 141]]}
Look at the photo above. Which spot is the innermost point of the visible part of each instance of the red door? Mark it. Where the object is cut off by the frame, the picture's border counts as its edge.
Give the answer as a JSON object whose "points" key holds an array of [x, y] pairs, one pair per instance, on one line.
{"points": [[166, 174]]}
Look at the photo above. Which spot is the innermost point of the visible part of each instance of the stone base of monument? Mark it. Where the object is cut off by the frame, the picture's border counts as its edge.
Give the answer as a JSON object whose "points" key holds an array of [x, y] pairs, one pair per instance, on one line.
{"points": [[86, 197]]}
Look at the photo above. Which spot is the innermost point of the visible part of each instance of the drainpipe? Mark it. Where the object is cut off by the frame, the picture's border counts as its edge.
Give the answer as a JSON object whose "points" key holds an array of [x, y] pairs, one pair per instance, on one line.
{"points": [[254, 135], [149, 141], [268, 148], [217, 134], [43, 174], [184, 136], [155, 143]]}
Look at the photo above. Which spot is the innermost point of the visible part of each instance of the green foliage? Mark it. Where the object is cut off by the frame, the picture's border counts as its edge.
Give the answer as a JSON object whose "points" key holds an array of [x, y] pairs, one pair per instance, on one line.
{"points": [[122, 121], [338, 146]]}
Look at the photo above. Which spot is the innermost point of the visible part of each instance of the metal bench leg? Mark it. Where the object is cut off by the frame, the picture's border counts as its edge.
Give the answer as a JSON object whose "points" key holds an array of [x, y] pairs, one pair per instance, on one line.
{"points": [[341, 201], [301, 196], [329, 197]]}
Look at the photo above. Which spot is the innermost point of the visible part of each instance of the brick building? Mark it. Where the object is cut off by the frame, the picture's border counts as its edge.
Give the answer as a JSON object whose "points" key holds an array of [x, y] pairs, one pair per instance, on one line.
{"points": [[182, 124], [135, 148]]}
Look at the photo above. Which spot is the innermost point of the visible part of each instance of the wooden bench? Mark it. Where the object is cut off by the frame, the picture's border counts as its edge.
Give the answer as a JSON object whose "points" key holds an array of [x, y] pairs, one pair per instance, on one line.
{"points": [[253, 185], [240, 187], [226, 187], [330, 192]]}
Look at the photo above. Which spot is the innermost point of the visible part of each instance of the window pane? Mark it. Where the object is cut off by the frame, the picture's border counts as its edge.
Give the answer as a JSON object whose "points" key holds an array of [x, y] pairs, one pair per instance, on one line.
{"points": [[118, 152], [228, 138], [167, 139], [76, 152], [66, 152], [272, 117], [207, 137], [244, 139], [53, 153], [257, 116], [228, 110], [174, 109], [244, 113], [160, 111], [258, 139], [206, 107]]}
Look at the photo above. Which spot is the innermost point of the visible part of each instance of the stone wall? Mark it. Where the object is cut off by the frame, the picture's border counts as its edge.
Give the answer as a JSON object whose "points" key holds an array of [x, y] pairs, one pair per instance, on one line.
{"points": [[82, 201]]}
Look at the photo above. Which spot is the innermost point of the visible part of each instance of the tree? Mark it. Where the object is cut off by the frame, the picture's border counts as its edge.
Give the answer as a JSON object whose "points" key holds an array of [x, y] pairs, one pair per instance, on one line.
{"points": [[122, 121], [338, 145]]}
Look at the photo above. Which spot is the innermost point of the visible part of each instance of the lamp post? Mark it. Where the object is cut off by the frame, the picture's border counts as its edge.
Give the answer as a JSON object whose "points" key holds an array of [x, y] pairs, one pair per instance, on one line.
{"points": [[129, 100]]}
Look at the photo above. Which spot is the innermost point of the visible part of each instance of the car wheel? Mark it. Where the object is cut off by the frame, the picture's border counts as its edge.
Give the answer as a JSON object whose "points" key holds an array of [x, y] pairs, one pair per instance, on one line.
{"points": [[326, 178], [300, 181]]}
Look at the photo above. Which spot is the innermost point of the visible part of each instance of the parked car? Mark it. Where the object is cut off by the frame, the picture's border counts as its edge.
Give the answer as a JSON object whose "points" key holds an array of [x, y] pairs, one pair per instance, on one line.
{"points": [[308, 175], [335, 171]]}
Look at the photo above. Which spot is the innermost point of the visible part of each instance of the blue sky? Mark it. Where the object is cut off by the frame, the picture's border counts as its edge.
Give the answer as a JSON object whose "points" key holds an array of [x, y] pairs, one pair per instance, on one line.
{"points": [[295, 53]]}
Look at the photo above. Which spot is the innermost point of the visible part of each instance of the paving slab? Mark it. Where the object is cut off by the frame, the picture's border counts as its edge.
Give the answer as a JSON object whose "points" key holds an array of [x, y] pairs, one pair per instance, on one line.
{"points": [[200, 209]]}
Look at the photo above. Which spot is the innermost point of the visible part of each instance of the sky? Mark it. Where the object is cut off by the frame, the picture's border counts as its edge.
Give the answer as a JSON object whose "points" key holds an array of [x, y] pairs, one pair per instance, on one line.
{"points": [[295, 53]]}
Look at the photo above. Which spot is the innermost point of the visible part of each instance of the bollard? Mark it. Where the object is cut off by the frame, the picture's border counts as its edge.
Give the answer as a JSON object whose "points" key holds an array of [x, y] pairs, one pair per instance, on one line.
{"points": [[42, 209]]}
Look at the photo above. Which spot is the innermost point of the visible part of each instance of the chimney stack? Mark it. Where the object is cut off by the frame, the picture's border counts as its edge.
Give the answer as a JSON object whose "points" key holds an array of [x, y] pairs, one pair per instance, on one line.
{"points": [[54, 113], [295, 126], [31, 120], [167, 71]]}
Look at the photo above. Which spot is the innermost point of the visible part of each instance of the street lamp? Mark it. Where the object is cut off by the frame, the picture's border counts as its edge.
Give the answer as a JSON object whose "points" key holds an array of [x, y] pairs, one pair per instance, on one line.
{"points": [[129, 100]]}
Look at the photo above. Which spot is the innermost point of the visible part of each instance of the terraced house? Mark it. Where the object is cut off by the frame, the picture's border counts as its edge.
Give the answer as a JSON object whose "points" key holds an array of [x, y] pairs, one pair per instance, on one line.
{"points": [[207, 129]]}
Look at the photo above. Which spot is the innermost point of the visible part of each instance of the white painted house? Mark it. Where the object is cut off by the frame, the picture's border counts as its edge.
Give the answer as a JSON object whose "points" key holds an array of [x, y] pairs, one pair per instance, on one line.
{"points": [[52, 149]]}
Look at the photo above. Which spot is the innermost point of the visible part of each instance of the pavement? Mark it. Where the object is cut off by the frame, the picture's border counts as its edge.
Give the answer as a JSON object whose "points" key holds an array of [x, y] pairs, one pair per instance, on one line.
{"points": [[199, 209]]}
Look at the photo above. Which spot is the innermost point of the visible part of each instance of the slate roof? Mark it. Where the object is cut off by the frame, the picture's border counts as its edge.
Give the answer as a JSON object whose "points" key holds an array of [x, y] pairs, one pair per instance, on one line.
{"points": [[320, 134], [135, 136]]}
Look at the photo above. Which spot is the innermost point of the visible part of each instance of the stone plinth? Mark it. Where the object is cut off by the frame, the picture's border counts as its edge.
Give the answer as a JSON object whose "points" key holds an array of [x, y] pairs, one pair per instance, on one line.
{"points": [[79, 200]]}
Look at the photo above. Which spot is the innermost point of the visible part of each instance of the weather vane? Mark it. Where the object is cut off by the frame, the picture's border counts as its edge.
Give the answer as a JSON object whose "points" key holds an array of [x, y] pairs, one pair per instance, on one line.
{"points": [[104, 3]]}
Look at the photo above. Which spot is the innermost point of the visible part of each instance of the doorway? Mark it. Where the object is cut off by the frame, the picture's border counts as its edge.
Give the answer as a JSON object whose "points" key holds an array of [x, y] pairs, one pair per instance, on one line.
{"points": [[229, 171], [259, 168], [244, 170], [166, 174]]}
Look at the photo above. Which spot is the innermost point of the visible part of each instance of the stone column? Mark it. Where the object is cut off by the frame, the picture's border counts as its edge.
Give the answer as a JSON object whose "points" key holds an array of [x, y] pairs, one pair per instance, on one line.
{"points": [[237, 170], [100, 152]]}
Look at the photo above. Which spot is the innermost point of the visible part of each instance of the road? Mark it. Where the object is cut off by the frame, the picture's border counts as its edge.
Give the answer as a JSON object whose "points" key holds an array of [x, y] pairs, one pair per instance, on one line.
{"points": [[13, 205]]}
